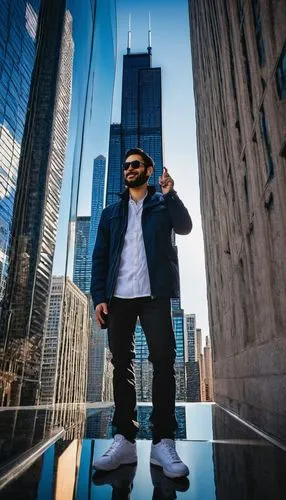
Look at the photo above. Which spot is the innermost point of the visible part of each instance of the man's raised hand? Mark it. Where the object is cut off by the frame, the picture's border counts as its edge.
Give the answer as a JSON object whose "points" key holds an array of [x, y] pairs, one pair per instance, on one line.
{"points": [[166, 182]]}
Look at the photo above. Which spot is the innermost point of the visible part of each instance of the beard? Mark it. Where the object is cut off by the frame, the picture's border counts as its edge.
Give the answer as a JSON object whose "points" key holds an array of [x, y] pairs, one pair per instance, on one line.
{"points": [[138, 181]]}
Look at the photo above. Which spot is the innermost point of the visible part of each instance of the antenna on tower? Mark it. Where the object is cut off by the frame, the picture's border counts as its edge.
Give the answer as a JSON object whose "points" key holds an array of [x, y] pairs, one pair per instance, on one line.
{"points": [[129, 36], [149, 36]]}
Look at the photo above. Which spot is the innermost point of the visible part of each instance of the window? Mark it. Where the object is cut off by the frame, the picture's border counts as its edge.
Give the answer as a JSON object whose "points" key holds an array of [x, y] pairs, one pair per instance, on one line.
{"points": [[281, 75]]}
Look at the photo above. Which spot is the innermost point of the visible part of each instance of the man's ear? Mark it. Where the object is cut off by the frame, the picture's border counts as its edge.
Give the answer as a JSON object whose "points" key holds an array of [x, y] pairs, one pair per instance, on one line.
{"points": [[149, 171]]}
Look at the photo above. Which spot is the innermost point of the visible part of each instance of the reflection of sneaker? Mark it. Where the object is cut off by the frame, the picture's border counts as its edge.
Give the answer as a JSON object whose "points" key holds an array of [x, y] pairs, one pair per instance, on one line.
{"points": [[121, 452], [119, 478], [164, 487], [164, 454]]}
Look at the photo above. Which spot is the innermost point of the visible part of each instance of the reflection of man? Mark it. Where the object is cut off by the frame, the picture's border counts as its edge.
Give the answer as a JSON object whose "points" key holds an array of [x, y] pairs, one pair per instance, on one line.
{"points": [[135, 273]]}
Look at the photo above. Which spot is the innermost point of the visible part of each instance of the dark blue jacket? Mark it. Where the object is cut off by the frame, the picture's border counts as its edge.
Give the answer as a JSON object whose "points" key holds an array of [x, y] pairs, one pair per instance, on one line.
{"points": [[160, 214]]}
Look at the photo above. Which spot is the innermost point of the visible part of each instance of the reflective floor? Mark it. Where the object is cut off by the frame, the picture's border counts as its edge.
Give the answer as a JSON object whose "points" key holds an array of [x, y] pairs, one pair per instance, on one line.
{"points": [[227, 460]]}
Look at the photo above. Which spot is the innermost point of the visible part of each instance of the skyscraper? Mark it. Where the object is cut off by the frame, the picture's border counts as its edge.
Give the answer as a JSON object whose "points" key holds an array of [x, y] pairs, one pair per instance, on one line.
{"points": [[114, 176], [97, 198], [190, 322], [82, 264], [37, 199], [239, 61], [65, 350], [192, 364], [141, 120]]}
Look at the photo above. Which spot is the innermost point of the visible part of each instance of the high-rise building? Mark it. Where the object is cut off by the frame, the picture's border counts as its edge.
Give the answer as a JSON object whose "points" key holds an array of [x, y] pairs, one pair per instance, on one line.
{"points": [[190, 325], [208, 370], [97, 198], [18, 27], [82, 263], [192, 364], [198, 344], [141, 120], [65, 349], [114, 176], [239, 61], [37, 199]]}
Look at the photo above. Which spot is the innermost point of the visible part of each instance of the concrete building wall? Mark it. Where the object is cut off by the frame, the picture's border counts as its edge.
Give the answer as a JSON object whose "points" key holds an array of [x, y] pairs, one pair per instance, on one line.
{"points": [[237, 55]]}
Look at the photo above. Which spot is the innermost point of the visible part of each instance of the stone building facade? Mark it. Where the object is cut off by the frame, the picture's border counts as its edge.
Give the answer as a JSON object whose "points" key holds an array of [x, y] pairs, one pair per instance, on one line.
{"points": [[239, 67]]}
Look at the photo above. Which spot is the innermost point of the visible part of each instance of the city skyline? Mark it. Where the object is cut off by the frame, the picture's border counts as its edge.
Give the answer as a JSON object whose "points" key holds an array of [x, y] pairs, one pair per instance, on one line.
{"points": [[170, 36]]}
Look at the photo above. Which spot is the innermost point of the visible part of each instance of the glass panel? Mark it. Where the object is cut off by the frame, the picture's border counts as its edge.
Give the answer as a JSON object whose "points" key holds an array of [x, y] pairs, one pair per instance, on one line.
{"points": [[56, 84]]}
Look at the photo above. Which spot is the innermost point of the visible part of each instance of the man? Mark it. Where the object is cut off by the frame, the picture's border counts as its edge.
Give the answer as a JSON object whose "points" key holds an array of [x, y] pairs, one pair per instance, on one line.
{"points": [[134, 274]]}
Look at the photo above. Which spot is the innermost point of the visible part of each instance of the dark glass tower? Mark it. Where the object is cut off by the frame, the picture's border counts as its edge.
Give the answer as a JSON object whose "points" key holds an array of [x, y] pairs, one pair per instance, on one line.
{"points": [[141, 120]]}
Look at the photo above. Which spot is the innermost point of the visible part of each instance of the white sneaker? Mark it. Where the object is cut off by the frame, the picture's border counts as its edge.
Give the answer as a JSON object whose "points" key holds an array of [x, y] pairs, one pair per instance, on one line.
{"points": [[120, 452], [164, 454]]}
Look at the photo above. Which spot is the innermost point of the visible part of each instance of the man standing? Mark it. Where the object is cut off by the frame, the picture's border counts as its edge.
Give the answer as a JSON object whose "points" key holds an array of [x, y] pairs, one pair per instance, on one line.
{"points": [[134, 274]]}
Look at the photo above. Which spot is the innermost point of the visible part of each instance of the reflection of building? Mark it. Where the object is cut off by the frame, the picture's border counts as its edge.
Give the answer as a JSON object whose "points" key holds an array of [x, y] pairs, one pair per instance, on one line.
{"points": [[9, 162], [98, 423], [96, 359], [82, 269], [64, 362], [18, 21], [239, 59], [145, 429], [37, 198]]}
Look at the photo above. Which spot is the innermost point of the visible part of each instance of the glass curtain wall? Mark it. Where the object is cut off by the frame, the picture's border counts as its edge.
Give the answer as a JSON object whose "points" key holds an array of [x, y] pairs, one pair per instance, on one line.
{"points": [[57, 68]]}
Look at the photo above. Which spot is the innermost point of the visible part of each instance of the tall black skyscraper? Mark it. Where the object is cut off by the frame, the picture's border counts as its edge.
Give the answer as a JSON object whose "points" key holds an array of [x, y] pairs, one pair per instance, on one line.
{"points": [[141, 120]]}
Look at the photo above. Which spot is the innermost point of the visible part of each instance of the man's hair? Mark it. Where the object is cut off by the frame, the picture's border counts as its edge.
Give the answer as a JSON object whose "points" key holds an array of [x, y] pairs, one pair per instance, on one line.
{"points": [[146, 158]]}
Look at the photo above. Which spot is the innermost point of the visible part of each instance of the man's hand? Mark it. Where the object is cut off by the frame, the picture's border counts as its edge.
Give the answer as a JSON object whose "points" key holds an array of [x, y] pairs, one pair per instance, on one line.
{"points": [[100, 308], [166, 182]]}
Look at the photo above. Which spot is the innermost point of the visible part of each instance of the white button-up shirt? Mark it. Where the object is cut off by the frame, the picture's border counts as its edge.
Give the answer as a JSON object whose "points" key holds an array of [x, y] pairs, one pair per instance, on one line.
{"points": [[133, 276]]}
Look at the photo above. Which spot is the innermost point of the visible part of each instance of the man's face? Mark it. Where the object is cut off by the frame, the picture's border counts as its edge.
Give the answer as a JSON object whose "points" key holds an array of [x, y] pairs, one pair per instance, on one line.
{"points": [[135, 177]]}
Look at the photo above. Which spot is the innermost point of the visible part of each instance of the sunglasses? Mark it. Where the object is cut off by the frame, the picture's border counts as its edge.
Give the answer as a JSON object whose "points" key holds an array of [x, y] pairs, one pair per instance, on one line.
{"points": [[132, 164]]}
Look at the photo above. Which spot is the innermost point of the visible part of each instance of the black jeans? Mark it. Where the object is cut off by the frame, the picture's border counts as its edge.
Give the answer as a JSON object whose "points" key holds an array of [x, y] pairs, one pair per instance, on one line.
{"points": [[155, 318]]}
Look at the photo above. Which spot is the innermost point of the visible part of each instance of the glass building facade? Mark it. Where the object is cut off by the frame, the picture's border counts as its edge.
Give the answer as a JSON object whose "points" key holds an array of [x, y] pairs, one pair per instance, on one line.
{"points": [[18, 28], [49, 78]]}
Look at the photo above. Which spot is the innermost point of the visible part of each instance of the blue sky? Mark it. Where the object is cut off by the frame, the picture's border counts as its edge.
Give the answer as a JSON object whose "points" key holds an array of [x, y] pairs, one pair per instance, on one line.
{"points": [[172, 52]]}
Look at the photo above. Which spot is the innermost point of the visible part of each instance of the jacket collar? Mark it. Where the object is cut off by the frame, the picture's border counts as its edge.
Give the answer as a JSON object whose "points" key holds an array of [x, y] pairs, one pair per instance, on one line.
{"points": [[125, 194]]}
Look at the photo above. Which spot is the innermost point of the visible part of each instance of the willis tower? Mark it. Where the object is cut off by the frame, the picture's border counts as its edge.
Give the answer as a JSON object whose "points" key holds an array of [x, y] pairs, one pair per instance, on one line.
{"points": [[141, 118]]}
